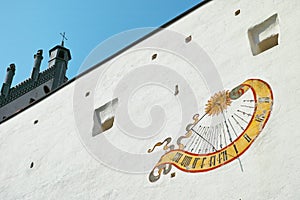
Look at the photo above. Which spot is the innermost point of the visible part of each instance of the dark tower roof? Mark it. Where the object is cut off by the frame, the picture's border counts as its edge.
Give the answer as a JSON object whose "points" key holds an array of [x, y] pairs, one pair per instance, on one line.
{"points": [[60, 47]]}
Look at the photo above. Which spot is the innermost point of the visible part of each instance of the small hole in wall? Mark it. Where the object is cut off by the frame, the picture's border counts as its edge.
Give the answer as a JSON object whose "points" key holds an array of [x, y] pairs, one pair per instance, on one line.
{"points": [[31, 165], [236, 13], [188, 39], [173, 175], [36, 121], [4, 117], [154, 56], [87, 94]]}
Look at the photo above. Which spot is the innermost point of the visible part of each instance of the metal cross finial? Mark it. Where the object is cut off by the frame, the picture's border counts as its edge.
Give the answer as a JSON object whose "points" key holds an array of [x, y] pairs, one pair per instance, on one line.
{"points": [[63, 38]]}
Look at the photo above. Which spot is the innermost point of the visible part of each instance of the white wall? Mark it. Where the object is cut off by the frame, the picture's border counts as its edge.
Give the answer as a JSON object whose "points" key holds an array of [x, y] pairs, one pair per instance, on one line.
{"points": [[64, 168]]}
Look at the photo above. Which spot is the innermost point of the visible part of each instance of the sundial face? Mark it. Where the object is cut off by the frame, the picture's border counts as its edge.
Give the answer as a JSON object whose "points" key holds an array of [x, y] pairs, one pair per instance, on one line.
{"points": [[231, 122]]}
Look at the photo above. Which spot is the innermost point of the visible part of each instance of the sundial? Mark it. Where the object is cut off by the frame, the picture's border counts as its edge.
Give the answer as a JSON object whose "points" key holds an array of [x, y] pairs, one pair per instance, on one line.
{"points": [[231, 122]]}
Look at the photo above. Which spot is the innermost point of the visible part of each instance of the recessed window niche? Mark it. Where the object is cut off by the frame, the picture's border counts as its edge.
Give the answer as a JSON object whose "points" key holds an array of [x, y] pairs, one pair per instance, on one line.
{"points": [[265, 35], [104, 117]]}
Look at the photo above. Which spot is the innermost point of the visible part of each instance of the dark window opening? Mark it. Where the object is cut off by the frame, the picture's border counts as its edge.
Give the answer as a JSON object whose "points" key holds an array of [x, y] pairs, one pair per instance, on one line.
{"points": [[31, 165], [31, 100], [46, 89], [237, 12], [61, 54], [36, 121]]}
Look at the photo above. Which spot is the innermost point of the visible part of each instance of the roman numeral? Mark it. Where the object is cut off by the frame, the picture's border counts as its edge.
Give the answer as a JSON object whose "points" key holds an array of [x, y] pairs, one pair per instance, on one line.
{"points": [[260, 118], [202, 164], [236, 151], [222, 155], [195, 162], [186, 161], [212, 161], [264, 100], [177, 157], [247, 137]]}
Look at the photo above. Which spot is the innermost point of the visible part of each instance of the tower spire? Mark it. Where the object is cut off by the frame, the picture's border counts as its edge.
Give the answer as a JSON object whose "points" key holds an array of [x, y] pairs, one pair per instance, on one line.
{"points": [[63, 38]]}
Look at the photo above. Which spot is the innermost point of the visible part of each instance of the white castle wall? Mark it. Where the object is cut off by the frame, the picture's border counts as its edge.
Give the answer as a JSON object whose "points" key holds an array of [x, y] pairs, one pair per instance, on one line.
{"points": [[65, 168]]}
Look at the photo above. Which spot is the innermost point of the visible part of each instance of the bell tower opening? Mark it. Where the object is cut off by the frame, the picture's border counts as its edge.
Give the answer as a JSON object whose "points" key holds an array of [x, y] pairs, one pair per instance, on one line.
{"points": [[59, 58]]}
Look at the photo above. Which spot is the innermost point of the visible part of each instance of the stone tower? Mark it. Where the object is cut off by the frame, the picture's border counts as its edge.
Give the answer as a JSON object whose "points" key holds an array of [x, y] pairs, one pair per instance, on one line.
{"points": [[59, 58]]}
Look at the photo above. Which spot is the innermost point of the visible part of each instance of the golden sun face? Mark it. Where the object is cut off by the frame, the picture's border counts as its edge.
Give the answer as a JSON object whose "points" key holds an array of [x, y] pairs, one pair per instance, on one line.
{"points": [[217, 103]]}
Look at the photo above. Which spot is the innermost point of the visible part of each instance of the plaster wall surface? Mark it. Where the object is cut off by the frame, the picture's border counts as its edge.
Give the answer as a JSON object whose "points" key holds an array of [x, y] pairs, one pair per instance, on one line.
{"points": [[64, 167]]}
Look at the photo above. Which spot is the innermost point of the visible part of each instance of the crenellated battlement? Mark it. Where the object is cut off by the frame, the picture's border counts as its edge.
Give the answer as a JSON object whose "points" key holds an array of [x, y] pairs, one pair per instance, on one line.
{"points": [[51, 78]]}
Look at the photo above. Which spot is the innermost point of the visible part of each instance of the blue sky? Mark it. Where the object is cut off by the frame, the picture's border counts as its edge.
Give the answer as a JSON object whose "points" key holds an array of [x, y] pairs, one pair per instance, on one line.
{"points": [[27, 26]]}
